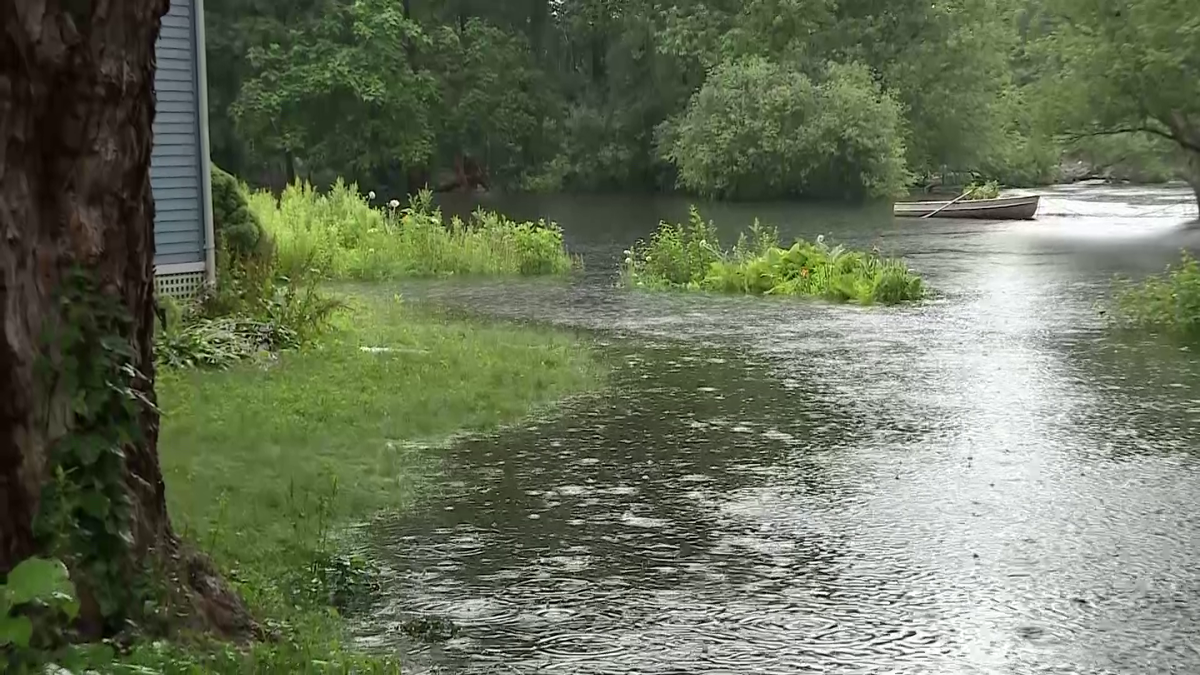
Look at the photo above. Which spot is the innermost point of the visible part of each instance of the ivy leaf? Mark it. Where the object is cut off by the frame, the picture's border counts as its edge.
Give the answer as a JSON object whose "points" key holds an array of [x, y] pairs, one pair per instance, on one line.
{"points": [[15, 631], [95, 504], [38, 579], [83, 448]]}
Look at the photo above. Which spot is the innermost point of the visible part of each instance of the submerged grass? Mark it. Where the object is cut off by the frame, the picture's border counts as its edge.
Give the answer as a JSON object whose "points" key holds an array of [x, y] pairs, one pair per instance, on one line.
{"points": [[339, 234], [1168, 302], [266, 462], [690, 257]]}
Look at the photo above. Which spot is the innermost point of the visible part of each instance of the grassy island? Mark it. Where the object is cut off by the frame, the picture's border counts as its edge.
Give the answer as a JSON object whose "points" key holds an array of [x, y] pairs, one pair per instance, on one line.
{"points": [[690, 257]]}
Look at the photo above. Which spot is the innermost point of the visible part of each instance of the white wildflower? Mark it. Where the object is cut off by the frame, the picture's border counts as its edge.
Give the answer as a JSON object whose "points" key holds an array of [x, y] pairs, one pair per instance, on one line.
{"points": [[371, 195], [395, 204]]}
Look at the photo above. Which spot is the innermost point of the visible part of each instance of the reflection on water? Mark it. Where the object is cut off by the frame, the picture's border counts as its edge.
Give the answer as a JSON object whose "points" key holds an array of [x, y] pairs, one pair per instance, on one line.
{"points": [[987, 483]]}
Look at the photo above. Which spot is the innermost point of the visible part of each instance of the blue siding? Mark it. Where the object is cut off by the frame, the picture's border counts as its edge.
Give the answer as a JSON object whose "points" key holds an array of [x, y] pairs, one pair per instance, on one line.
{"points": [[175, 164]]}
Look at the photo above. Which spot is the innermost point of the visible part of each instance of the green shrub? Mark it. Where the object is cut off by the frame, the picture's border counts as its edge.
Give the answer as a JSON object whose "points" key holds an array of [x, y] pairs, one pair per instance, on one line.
{"points": [[251, 310], [674, 256], [203, 334], [256, 305], [986, 190], [759, 129], [1168, 302], [690, 258], [239, 233], [250, 279], [338, 235]]}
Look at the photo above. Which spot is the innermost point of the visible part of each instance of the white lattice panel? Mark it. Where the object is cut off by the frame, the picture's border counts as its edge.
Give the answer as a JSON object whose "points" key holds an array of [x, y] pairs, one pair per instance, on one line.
{"points": [[182, 285]]}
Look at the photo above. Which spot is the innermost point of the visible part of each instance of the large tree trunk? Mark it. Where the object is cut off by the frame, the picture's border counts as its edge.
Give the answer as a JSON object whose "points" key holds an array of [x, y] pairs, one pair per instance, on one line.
{"points": [[76, 106], [1185, 130]]}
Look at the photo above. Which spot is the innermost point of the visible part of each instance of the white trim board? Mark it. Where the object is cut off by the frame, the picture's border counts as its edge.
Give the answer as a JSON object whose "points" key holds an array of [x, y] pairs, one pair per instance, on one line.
{"points": [[180, 268]]}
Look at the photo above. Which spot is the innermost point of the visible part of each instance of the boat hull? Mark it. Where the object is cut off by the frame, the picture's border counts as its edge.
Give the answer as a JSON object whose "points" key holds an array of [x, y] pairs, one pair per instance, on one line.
{"points": [[1005, 208]]}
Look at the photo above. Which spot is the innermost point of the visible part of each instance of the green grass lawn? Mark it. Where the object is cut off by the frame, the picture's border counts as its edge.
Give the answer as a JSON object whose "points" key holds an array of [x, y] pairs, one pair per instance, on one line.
{"points": [[265, 462]]}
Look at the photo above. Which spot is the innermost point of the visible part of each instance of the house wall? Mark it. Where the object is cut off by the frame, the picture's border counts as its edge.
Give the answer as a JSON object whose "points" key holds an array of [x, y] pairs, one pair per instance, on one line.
{"points": [[179, 156]]}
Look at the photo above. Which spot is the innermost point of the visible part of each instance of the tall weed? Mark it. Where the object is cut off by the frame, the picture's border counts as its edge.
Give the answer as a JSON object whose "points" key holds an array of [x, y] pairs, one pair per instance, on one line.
{"points": [[338, 235], [689, 257], [1169, 301], [674, 256]]}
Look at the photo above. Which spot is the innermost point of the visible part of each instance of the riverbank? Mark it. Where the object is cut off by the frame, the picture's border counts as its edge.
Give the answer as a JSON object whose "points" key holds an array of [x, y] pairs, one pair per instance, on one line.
{"points": [[267, 462]]}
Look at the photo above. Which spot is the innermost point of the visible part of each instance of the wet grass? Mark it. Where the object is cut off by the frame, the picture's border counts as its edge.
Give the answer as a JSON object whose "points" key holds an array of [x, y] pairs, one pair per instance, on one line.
{"points": [[691, 258], [267, 462]]}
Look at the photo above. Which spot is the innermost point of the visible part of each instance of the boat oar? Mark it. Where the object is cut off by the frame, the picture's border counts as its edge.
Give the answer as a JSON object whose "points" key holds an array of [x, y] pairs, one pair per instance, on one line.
{"points": [[948, 204]]}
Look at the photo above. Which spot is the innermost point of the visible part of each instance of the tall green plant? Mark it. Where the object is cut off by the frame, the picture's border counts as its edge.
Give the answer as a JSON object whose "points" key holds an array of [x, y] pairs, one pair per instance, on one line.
{"points": [[678, 257], [336, 84], [1167, 302], [255, 306], [339, 235]]}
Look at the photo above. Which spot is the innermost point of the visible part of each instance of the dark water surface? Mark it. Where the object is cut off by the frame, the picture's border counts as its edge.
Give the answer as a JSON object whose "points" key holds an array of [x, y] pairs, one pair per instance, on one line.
{"points": [[986, 483]]}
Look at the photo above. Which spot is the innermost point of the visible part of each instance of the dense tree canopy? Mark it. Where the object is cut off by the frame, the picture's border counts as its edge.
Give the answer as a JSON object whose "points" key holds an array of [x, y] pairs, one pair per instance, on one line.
{"points": [[1127, 67], [808, 97], [760, 129]]}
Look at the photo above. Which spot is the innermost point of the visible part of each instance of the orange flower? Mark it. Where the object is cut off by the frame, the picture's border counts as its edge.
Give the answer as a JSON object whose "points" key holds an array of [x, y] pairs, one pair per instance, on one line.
{"points": [[804, 272]]}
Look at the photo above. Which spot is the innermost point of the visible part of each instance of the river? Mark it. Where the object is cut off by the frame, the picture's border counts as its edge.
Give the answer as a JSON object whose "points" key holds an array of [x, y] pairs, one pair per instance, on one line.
{"points": [[985, 483]]}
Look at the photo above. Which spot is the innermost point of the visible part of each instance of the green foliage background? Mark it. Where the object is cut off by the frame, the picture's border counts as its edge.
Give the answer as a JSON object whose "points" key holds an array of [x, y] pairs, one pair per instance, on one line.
{"points": [[842, 98]]}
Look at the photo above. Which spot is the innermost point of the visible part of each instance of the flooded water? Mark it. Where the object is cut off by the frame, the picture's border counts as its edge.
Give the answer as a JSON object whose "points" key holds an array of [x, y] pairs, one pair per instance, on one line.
{"points": [[985, 483]]}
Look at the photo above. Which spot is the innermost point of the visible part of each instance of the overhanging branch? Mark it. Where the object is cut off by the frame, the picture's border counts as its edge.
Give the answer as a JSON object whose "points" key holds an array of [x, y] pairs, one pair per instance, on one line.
{"points": [[1118, 131]]}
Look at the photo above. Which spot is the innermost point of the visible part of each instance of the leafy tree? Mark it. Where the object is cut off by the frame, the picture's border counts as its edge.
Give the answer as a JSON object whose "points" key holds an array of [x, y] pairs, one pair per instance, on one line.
{"points": [[568, 94], [760, 129], [1127, 67], [947, 62], [233, 29], [342, 91], [492, 95]]}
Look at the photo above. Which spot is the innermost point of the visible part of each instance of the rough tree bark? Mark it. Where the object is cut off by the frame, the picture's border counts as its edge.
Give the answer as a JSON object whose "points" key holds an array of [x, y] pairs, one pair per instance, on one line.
{"points": [[76, 106], [1185, 130]]}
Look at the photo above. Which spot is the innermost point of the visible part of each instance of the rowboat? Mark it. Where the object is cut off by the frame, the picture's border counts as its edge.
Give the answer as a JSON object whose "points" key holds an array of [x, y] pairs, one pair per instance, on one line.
{"points": [[1004, 208]]}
